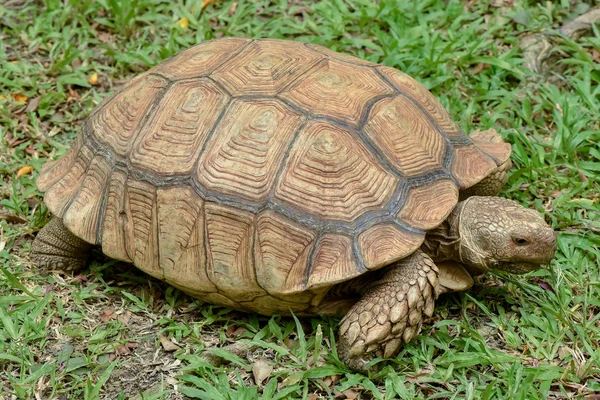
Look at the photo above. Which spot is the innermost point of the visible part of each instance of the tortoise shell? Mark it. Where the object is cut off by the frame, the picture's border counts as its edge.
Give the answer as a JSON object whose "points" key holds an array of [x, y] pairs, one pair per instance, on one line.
{"points": [[257, 174]]}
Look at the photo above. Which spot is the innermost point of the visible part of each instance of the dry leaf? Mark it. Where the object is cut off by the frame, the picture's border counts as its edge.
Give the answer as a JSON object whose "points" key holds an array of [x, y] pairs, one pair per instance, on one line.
{"points": [[183, 22], [93, 79], [33, 104], [126, 348], [12, 219], [480, 67], [233, 8], [125, 317], [20, 97], [73, 93], [350, 393], [26, 170], [206, 3], [261, 369], [107, 315], [167, 344]]}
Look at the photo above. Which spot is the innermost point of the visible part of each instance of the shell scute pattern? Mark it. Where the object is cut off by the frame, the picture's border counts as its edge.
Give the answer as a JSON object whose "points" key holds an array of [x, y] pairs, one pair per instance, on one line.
{"points": [[247, 170]]}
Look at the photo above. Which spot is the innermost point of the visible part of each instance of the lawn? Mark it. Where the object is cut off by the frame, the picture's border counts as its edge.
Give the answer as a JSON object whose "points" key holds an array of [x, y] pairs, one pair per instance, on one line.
{"points": [[111, 332]]}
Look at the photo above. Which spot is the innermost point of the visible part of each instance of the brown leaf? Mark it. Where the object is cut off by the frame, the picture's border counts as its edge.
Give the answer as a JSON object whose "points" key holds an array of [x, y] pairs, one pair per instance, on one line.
{"points": [[73, 93], [33, 104], [233, 8], [350, 393], [126, 348], [107, 314], [125, 317], [26, 170], [261, 369], [480, 67], [10, 218], [167, 344]]}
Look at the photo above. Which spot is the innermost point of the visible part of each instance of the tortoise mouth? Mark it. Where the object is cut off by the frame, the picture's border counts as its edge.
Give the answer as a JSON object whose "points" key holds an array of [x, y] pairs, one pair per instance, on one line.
{"points": [[516, 267]]}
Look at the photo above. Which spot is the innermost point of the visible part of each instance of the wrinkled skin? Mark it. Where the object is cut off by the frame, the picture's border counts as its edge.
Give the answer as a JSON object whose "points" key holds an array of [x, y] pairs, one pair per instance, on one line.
{"points": [[481, 234]]}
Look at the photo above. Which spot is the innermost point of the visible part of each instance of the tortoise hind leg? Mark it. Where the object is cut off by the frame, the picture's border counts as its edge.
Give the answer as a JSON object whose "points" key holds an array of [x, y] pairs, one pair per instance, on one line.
{"points": [[57, 248], [390, 312]]}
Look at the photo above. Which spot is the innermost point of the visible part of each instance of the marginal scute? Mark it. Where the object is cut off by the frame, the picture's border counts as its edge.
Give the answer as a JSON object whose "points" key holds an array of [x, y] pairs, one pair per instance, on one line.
{"points": [[415, 91], [333, 262], [141, 227], [243, 155], [176, 132], [406, 136], [330, 173], [230, 262], [492, 144], [116, 124], [338, 90], [428, 205], [281, 250], [53, 171], [181, 238], [382, 244], [265, 67], [60, 194], [82, 217], [200, 60], [339, 56], [115, 219], [470, 165]]}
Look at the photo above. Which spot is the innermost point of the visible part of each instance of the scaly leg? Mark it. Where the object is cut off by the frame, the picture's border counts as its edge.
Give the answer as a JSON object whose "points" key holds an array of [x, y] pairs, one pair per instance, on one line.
{"points": [[57, 248], [390, 312]]}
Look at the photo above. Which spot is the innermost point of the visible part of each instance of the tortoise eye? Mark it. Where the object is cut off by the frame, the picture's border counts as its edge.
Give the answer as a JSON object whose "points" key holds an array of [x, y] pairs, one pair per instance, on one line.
{"points": [[519, 241]]}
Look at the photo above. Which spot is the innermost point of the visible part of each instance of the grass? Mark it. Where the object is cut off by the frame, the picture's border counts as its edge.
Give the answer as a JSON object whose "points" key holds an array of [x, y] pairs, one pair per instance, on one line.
{"points": [[103, 333]]}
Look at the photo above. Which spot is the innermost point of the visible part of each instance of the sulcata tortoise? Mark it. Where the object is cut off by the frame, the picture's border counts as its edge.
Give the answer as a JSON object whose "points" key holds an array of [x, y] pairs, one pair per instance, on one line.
{"points": [[276, 177]]}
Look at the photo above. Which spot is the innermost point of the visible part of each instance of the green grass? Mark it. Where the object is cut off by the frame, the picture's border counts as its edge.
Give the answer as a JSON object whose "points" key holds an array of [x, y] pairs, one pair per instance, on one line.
{"points": [[96, 335]]}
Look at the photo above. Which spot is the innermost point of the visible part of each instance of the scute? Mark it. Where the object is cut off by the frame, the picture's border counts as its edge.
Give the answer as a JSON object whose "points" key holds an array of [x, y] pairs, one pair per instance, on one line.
{"points": [[258, 173]]}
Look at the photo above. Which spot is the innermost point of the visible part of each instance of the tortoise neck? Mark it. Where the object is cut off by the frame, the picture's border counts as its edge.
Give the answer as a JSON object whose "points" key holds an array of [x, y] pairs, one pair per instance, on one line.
{"points": [[443, 243]]}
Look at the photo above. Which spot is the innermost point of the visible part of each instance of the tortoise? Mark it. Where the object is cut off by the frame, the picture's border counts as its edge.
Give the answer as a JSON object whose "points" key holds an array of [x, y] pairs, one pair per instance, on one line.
{"points": [[274, 176]]}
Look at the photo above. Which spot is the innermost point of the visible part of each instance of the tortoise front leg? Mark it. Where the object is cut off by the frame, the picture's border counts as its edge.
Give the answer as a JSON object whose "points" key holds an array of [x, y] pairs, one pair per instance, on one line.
{"points": [[390, 312], [57, 248]]}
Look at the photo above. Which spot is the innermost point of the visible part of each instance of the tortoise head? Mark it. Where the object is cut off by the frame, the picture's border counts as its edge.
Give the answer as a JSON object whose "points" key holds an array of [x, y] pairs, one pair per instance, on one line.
{"points": [[497, 233]]}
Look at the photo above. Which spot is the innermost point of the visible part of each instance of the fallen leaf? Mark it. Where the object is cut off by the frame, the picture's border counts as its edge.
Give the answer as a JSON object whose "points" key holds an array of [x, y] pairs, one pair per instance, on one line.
{"points": [[546, 286], [167, 344], [261, 369], [350, 393], [233, 8], [126, 348], [12, 219], [73, 93], [33, 104], [26, 170], [206, 3], [93, 80], [183, 22], [479, 67], [20, 97], [125, 317], [108, 315]]}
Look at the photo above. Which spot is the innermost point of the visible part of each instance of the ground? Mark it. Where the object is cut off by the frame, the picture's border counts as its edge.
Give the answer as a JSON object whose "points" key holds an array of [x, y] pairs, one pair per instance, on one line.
{"points": [[111, 332]]}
